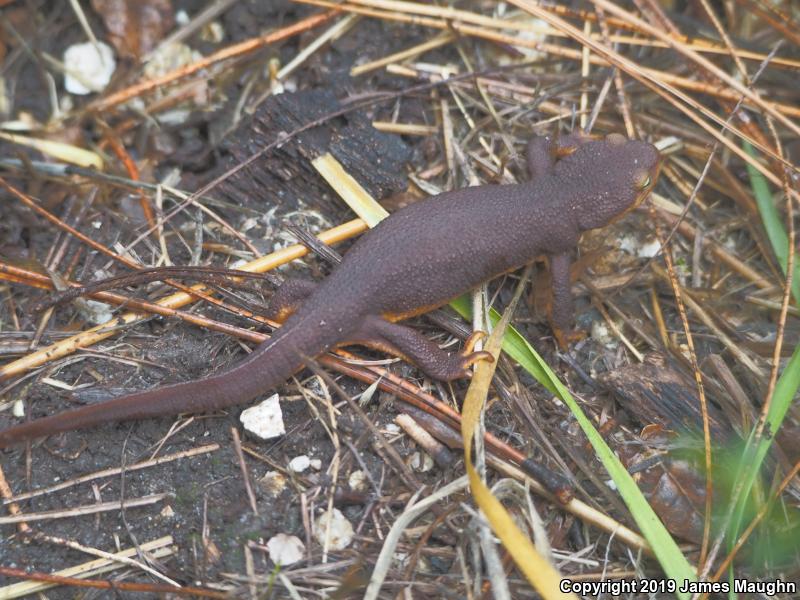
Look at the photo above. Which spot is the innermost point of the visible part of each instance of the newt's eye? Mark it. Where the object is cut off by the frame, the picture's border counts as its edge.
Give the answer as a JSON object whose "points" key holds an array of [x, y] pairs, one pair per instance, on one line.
{"points": [[644, 181]]}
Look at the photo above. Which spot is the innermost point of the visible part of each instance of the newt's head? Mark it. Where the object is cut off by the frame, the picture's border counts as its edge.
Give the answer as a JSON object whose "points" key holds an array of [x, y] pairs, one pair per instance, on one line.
{"points": [[614, 175]]}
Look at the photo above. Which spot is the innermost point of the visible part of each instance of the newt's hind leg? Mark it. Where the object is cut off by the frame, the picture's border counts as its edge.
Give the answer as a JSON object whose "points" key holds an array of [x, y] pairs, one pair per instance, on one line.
{"points": [[288, 297], [411, 345]]}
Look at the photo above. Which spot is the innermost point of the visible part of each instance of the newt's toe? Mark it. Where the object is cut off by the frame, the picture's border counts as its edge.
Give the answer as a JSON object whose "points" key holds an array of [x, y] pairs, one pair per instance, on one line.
{"points": [[473, 339], [469, 356], [458, 365], [473, 357]]}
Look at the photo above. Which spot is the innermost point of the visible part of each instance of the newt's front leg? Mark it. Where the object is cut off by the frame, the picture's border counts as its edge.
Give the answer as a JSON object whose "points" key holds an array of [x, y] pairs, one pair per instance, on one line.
{"points": [[562, 310], [411, 345], [544, 151]]}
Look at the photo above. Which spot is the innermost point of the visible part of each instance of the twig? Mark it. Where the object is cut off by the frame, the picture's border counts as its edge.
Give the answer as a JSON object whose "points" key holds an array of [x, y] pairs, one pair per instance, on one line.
{"points": [[147, 588], [236, 50], [157, 548], [237, 446], [88, 509], [111, 472]]}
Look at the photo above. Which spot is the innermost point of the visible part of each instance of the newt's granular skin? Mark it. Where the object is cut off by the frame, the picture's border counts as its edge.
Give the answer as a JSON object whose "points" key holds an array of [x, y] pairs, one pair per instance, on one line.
{"points": [[420, 258]]}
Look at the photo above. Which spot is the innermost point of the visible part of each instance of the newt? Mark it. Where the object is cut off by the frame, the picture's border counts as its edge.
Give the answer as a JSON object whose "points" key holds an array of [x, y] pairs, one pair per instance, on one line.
{"points": [[419, 258]]}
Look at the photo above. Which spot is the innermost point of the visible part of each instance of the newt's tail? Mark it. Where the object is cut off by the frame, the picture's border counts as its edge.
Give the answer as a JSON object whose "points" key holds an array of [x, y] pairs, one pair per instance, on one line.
{"points": [[269, 365]]}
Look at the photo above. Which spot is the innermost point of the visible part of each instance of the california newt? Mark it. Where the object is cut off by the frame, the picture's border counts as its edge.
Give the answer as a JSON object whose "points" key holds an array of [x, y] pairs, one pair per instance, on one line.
{"points": [[419, 258]]}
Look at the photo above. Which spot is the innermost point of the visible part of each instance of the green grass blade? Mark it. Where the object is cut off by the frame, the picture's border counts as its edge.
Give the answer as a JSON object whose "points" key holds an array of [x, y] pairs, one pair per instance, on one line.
{"points": [[785, 390], [773, 222], [789, 381], [664, 546]]}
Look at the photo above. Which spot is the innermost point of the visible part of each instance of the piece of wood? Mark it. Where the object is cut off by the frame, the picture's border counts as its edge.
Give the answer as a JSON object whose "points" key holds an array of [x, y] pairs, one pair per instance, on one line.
{"points": [[375, 159]]}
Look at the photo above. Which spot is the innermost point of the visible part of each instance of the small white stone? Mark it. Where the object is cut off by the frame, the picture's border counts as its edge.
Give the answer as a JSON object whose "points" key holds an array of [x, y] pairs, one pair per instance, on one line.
{"points": [[357, 481], [289, 85], [730, 243], [650, 249], [392, 428], [5, 99], [214, 32], [285, 549], [96, 312], [265, 419], [67, 103], [629, 244], [315, 463], [248, 225], [273, 483], [170, 57], [167, 512], [176, 116], [18, 409], [165, 60], [88, 67], [400, 559], [299, 463], [182, 18], [421, 462], [602, 334], [341, 531]]}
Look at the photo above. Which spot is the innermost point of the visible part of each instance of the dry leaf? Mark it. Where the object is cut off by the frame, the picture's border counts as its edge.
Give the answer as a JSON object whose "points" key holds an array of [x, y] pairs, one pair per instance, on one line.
{"points": [[135, 28]]}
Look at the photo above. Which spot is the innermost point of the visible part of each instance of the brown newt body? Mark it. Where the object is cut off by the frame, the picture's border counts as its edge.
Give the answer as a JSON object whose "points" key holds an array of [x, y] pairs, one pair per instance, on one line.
{"points": [[421, 257]]}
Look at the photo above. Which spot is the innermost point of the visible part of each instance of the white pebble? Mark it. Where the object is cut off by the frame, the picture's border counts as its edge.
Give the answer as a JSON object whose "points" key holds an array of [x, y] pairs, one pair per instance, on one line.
{"points": [[650, 249], [96, 312], [341, 531], [265, 419], [88, 67], [273, 483], [18, 409], [285, 549], [421, 462], [357, 481], [299, 463]]}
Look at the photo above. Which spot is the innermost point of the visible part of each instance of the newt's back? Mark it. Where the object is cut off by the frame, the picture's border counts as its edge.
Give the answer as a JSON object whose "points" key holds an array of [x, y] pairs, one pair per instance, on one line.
{"points": [[431, 251]]}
